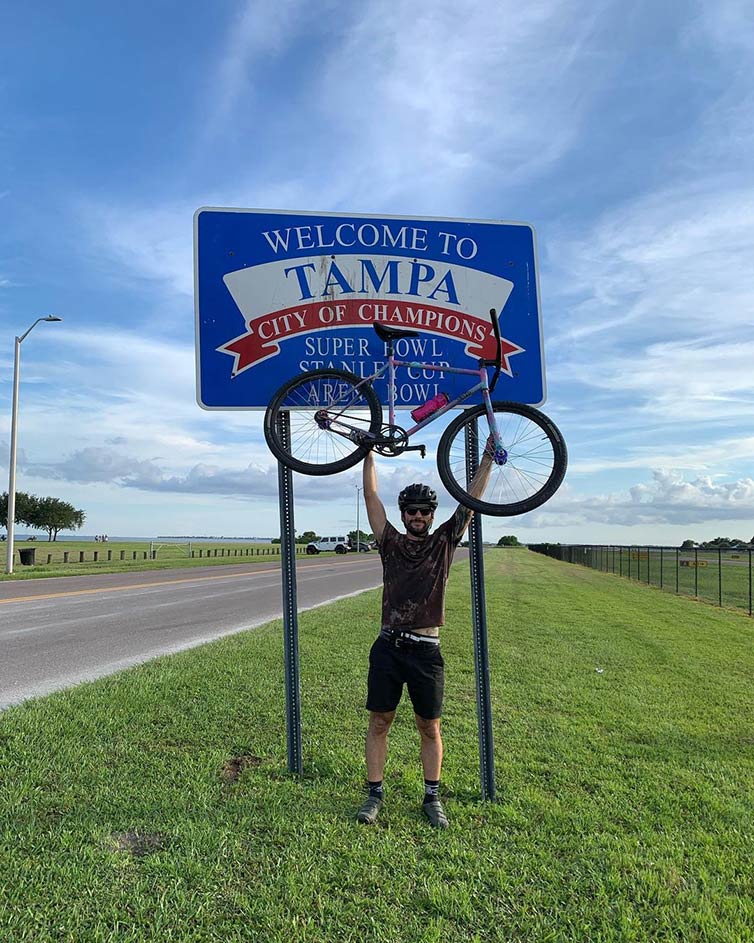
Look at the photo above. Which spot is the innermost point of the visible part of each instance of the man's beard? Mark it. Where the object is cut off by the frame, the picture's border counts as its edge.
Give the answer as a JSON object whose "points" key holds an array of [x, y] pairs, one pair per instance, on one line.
{"points": [[418, 528]]}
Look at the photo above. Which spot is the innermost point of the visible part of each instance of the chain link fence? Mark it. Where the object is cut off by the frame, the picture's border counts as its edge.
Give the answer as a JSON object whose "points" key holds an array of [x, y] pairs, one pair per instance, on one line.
{"points": [[721, 577]]}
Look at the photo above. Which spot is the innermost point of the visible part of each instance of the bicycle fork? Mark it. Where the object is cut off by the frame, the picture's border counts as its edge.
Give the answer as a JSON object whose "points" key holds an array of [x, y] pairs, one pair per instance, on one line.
{"points": [[500, 453]]}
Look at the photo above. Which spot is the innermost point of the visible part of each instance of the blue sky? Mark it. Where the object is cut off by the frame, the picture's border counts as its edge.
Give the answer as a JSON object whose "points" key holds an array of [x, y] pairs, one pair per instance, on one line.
{"points": [[623, 134]]}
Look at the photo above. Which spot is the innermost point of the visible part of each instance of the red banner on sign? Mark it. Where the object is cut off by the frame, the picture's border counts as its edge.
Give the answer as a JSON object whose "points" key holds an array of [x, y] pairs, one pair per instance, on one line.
{"points": [[265, 334]]}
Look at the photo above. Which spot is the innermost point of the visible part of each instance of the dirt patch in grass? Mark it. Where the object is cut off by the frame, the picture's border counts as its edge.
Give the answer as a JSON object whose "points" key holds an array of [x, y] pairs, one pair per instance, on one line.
{"points": [[233, 767], [139, 844]]}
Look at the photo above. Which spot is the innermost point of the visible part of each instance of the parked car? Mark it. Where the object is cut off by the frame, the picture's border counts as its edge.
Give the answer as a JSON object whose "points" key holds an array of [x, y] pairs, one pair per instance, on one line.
{"points": [[363, 547], [338, 544]]}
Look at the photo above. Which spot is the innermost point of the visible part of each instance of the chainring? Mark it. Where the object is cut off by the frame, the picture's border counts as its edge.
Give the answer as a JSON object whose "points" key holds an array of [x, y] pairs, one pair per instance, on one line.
{"points": [[394, 440]]}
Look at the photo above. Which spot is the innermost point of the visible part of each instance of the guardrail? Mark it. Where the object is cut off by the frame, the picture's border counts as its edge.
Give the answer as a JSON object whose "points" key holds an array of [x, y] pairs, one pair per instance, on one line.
{"points": [[721, 577]]}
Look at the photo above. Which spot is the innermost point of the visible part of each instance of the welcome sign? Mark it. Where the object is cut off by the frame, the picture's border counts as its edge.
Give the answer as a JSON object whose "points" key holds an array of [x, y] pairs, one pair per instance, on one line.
{"points": [[278, 293]]}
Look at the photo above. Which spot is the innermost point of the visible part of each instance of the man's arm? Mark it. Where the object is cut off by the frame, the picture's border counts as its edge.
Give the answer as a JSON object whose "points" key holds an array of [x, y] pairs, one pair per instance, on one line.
{"points": [[462, 516], [481, 476], [375, 507]]}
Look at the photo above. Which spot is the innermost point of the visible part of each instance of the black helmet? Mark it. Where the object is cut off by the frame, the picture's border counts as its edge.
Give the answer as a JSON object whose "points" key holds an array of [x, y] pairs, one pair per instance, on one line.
{"points": [[417, 494]]}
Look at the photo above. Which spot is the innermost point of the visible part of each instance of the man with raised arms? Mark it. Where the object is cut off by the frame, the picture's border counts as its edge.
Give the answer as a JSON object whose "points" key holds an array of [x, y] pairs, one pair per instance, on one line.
{"points": [[407, 650]]}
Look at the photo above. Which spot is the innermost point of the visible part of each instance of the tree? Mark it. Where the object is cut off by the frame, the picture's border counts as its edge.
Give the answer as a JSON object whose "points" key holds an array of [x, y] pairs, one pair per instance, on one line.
{"points": [[508, 541], [50, 514], [688, 545], [724, 543], [26, 505], [54, 515], [307, 537], [364, 538]]}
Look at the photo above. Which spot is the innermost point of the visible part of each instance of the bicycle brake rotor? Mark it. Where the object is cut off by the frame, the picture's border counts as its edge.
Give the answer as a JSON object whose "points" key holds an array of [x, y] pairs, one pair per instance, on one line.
{"points": [[394, 440]]}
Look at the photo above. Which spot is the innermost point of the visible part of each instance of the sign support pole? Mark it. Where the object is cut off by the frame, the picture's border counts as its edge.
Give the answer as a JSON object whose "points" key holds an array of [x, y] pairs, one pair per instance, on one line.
{"points": [[479, 626], [290, 607]]}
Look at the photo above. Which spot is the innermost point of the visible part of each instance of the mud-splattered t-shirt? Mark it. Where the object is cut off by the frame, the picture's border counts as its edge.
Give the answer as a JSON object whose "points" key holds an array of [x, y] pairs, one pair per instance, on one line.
{"points": [[415, 573]]}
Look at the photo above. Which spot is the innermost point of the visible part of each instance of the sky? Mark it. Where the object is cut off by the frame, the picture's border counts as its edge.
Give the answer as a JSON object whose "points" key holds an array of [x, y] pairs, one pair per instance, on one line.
{"points": [[622, 133]]}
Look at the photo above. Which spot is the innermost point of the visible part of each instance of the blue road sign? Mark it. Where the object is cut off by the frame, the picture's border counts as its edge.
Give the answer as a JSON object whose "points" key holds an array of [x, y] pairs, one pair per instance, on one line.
{"points": [[278, 293]]}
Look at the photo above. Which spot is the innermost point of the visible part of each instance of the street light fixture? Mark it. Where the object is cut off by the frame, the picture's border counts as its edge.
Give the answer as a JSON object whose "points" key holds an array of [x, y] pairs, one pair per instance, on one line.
{"points": [[13, 439]]}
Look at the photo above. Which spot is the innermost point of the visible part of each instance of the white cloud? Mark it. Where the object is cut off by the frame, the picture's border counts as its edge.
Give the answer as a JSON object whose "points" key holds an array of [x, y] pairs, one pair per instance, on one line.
{"points": [[728, 24], [671, 262], [444, 98], [439, 100], [667, 499], [715, 457], [153, 242]]}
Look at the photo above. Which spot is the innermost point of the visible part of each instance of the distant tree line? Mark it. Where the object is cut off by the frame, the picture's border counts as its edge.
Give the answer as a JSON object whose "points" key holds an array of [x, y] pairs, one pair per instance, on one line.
{"points": [[48, 514], [309, 536], [723, 543]]}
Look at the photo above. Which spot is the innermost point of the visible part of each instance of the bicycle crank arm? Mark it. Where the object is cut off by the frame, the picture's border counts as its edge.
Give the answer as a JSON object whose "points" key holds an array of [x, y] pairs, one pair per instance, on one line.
{"points": [[416, 448]]}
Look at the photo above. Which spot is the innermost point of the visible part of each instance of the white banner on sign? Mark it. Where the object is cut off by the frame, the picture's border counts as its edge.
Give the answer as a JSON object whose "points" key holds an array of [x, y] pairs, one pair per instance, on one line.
{"points": [[279, 300]]}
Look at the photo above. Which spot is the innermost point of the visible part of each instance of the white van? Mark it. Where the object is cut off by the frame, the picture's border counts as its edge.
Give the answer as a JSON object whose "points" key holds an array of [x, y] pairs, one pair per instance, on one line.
{"points": [[338, 544]]}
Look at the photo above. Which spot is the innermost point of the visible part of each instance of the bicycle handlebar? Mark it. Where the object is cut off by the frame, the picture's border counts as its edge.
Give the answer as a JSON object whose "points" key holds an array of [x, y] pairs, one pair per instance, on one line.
{"points": [[497, 362]]}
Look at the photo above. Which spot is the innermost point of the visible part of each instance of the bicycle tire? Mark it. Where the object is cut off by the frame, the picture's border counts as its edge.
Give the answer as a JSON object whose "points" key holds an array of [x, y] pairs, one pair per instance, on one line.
{"points": [[312, 450], [535, 468]]}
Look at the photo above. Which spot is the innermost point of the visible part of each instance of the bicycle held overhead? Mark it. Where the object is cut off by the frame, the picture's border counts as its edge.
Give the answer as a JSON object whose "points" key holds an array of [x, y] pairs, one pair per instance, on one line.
{"points": [[336, 418]]}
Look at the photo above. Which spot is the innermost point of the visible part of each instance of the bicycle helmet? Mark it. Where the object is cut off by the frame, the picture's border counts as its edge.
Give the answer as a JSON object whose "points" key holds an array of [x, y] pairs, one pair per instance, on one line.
{"points": [[417, 494]]}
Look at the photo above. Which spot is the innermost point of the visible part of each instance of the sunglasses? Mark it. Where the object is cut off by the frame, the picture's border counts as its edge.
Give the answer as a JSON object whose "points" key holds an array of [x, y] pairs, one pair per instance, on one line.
{"points": [[426, 512]]}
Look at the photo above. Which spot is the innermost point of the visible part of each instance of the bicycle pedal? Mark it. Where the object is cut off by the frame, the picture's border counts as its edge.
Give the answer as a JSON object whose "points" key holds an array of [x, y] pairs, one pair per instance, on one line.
{"points": [[417, 448]]}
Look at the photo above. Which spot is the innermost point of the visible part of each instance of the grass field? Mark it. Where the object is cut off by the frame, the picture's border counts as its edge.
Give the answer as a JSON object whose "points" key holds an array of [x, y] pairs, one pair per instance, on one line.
{"points": [[155, 805], [65, 557], [721, 579]]}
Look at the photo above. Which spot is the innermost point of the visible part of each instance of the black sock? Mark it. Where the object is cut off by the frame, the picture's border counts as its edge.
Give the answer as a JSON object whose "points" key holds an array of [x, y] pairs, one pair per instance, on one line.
{"points": [[431, 789], [375, 789]]}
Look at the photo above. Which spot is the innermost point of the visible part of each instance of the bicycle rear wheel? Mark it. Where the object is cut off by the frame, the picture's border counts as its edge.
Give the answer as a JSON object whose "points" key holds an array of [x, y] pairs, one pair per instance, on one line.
{"points": [[324, 406], [534, 466]]}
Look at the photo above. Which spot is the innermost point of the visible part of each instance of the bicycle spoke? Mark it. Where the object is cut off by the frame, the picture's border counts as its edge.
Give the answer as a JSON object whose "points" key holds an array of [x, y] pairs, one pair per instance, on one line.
{"points": [[323, 411], [529, 460]]}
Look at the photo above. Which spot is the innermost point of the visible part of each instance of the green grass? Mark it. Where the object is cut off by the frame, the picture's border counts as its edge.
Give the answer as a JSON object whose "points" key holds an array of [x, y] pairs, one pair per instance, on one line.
{"points": [[625, 795], [136, 554], [717, 579]]}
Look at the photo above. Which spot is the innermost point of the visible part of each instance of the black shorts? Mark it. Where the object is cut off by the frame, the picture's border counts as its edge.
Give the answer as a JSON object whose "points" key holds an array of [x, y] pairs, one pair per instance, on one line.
{"points": [[420, 667]]}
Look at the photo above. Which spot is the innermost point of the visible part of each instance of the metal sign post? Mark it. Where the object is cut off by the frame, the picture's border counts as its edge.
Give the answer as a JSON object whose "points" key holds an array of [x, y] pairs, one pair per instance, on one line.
{"points": [[479, 627], [290, 609]]}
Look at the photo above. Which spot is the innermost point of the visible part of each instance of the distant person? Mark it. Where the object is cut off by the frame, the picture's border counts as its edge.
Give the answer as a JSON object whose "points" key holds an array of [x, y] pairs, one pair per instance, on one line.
{"points": [[407, 650]]}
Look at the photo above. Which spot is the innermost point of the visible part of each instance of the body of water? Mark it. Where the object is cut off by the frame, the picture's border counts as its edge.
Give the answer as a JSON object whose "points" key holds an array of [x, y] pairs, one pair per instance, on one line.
{"points": [[114, 539]]}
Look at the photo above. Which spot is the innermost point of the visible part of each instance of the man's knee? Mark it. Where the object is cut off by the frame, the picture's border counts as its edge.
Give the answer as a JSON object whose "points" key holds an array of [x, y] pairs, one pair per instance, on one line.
{"points": [[379, 722], [428, 728]]}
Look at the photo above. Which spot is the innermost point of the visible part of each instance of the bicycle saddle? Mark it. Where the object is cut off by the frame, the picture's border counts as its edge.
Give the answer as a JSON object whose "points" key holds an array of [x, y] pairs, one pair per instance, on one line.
{"points": [[392, 333]]}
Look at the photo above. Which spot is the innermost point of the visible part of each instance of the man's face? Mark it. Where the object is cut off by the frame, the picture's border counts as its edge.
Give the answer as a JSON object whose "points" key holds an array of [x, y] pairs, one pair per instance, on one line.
{"points": [[418, 520]]}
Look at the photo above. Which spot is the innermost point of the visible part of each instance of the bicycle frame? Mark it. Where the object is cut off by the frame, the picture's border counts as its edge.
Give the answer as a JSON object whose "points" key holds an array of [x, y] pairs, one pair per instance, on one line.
{"points": [[393, 365]]}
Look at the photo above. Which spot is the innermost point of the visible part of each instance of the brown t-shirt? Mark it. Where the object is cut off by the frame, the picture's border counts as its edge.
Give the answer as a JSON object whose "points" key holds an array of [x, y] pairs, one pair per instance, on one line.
{"points": [[415, 573]]}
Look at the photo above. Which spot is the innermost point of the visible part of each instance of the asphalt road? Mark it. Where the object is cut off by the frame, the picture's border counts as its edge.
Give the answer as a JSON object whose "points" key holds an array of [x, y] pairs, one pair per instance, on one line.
{"points": [[58, 632]]}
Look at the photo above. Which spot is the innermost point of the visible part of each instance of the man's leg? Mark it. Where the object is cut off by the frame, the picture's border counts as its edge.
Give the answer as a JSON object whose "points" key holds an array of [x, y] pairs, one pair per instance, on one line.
{"points": [[431, 746], [376, 746], [431, 756], [376, 752]]}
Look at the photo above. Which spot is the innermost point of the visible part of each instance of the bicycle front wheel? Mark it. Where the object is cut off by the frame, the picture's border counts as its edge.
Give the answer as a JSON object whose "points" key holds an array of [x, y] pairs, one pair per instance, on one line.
{"points": [[325, 407], [533, 467]]}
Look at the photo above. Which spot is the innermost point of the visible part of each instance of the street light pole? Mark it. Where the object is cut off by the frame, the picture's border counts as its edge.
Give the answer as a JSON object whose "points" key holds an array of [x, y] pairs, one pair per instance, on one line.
{"points": [[358, 505], [11, 524]]}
